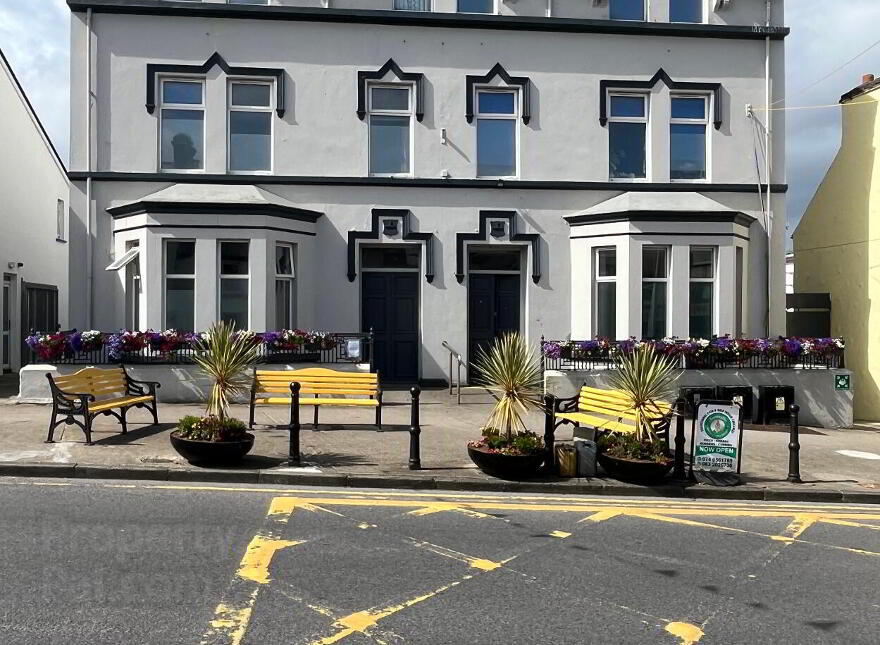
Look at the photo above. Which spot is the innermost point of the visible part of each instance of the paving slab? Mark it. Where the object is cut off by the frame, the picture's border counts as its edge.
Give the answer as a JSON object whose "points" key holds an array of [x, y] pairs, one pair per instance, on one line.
{"points": [[347, 450]]}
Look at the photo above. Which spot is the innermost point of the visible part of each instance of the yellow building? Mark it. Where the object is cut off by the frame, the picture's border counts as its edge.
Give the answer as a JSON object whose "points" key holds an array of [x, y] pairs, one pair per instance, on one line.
{"points": [[837, 244]]}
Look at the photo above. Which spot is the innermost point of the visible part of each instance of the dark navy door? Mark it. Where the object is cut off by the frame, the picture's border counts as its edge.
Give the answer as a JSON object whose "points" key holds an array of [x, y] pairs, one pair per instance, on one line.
{"points": [[390, 307], [493, 309]]}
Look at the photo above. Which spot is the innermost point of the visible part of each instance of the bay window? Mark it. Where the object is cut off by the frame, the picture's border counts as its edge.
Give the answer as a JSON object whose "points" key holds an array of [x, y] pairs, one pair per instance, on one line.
{"points": [[234, 283], [390, 129], [182, 125], [687, 137], [702, 292], [655, 276], [497, 115], [627, 136], [180, 285], [285, 301], [605, 294]]}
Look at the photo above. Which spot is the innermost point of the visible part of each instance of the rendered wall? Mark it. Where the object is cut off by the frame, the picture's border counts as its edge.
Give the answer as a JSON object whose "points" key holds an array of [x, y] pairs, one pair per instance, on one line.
{"points": [[837, 244]]}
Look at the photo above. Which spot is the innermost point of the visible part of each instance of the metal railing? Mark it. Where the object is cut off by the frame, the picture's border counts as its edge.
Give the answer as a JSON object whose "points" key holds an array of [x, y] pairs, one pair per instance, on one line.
{"points": [[455, 359], [341, 347], [582, 355]]}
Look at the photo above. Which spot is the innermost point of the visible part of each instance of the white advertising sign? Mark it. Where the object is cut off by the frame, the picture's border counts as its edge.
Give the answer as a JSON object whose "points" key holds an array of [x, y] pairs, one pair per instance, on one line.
{"points": [[717, 440]]}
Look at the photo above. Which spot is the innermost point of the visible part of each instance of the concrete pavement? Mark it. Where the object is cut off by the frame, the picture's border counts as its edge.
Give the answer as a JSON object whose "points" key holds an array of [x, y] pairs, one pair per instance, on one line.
{"points": [[347, 451], [143, 562]]}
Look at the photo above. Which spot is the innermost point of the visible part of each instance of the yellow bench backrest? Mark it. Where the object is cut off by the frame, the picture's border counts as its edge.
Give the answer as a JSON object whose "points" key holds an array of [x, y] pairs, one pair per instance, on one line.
{"points": [[317, 380], [615, 403], [94, 381]]}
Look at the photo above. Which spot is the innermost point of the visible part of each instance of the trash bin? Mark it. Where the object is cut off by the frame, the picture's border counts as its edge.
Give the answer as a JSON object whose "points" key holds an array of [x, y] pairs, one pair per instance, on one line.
{"points": [[693, 396], [566, 460], [774, 404], [742, 395], [585, 445]]}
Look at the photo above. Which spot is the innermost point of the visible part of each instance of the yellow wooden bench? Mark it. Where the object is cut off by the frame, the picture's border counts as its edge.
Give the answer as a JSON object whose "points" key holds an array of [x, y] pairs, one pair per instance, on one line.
{"points": [[607, 410], [93, 391], [272, 387]]}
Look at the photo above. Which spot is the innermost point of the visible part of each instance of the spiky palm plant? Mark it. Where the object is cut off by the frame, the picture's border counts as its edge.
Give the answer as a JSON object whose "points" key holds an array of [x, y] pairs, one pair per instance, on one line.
{"points": [[225, 356], [647, 377], [511, 371]]}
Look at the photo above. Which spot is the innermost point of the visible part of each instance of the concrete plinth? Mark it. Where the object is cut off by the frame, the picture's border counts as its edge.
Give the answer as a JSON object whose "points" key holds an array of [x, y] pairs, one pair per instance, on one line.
{"points": [[821, 404], [180, 383]]}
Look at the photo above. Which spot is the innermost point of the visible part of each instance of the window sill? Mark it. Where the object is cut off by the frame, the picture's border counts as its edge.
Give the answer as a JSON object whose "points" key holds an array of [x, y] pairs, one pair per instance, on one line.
{"points": [[689, 181], [629, 180], [392, 176], [254, 173], [174, 171], [502, 178]]}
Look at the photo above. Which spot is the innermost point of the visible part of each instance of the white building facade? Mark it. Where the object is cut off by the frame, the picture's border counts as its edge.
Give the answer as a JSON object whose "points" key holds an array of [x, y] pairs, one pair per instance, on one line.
{"points": [[34, 198], [433, 172]]}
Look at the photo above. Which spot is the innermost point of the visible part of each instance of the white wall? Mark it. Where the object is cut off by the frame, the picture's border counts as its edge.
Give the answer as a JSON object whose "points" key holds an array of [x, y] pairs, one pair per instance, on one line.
{"points": [[32, 180]]}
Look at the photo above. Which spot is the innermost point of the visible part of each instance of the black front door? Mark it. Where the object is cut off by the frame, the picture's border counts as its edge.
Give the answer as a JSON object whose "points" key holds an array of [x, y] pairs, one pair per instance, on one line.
{"points": [[390, 307], [493, 309]]}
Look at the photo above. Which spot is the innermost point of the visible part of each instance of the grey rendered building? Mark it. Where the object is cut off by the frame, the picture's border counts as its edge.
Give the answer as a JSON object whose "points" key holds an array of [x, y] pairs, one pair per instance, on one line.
{"points": [[435, 172]]}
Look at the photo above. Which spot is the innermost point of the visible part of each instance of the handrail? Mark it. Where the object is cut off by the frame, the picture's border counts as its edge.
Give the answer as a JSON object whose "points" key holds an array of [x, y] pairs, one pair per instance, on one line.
{"points": [[460, 362]]}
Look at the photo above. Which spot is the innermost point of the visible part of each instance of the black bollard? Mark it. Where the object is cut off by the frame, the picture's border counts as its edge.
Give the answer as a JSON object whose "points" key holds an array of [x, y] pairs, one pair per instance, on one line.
{"points": [[679, 471], [415, 459], [293, 458], [549, 434], [794, 448]]}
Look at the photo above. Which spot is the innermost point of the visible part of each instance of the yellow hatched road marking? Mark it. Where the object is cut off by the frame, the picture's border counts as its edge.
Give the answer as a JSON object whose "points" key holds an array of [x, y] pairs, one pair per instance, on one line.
{"points": [[255, 563], [688, 633]]}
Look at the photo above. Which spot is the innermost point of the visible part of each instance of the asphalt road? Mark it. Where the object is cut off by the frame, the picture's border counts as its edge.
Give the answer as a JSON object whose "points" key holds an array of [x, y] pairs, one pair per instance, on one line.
{"points": [[97, 562]]}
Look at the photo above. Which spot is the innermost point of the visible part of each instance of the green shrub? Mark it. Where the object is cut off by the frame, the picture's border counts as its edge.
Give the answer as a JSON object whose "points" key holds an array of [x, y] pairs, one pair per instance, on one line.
{"points": [[211, 428], [628, 446]]}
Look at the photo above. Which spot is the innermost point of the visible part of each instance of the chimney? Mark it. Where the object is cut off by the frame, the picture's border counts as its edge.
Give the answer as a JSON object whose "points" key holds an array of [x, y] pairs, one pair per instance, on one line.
{"points": [[867, 78]]}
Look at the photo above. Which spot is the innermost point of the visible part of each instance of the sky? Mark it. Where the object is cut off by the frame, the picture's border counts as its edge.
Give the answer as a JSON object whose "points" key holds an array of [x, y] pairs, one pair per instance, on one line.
{"points": [[34, 35]]}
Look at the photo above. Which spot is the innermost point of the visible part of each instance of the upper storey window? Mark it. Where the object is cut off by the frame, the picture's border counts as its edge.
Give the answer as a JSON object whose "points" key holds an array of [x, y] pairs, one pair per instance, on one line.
{"points": [[627, 136], [627, 9], [687, 137], [250, 126], [476, 6], [686, 10], [390, 129], [412, 5], [497, 115], [182, 125]]}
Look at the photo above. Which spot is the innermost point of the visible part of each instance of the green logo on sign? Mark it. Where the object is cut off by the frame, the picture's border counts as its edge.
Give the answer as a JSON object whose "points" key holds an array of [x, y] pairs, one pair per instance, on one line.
{"points": [[717, 425], [841, 381]]}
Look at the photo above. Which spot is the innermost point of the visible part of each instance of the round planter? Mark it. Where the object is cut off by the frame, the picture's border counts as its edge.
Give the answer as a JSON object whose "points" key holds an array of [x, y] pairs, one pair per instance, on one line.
{"points": [[211, 453], [635, 470], [506, 466]]}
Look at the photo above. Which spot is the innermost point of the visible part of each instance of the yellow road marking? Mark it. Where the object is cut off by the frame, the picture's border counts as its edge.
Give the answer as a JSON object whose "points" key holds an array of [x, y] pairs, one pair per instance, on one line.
{"points": [[477, 563], [560, 534], [230, 623], [688, 633], [255, 563], [828, 520], [362, 621], [439, 507]]}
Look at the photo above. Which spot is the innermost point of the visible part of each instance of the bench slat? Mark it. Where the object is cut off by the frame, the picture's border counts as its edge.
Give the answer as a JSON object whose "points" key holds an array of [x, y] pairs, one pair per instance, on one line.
{"points": [[279, 400], [124, 401]]}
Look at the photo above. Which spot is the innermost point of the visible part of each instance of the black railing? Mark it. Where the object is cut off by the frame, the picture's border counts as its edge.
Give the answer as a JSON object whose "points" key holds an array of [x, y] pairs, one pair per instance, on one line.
{"points": [[335, 348], [590, 355]]}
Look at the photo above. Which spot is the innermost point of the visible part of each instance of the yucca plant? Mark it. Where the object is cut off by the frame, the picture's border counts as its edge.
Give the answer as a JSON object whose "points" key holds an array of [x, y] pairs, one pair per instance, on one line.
{"points": [[648, 378], [225, 356], [511, 371]]}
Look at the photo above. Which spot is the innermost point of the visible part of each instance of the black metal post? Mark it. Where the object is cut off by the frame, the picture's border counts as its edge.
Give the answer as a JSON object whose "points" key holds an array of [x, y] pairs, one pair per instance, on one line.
{"points": [[794, 448], [294, 456], [679, 471], [415, 429], [549, 433], [372, 357]]}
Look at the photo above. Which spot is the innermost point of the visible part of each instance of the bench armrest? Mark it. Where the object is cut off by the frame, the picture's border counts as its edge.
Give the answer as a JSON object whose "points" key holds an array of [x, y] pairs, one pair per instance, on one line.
{"points": [[569, 404], [72, 397]]}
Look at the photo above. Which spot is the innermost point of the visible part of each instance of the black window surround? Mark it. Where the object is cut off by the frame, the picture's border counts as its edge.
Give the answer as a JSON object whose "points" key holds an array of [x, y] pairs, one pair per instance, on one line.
{"points": [[498, 71], [417, 78], [661, 75], [376, 232], [154, 70], [534, 240]]}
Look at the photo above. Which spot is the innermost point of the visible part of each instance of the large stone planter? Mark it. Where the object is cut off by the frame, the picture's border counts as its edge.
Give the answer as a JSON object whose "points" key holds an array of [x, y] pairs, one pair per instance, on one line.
{"points": [[212, 453], [506, 466]]}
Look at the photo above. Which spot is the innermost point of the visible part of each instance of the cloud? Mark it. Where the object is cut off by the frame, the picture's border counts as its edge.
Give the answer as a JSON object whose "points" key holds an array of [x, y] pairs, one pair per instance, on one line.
{"points": [[35, 37]]}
